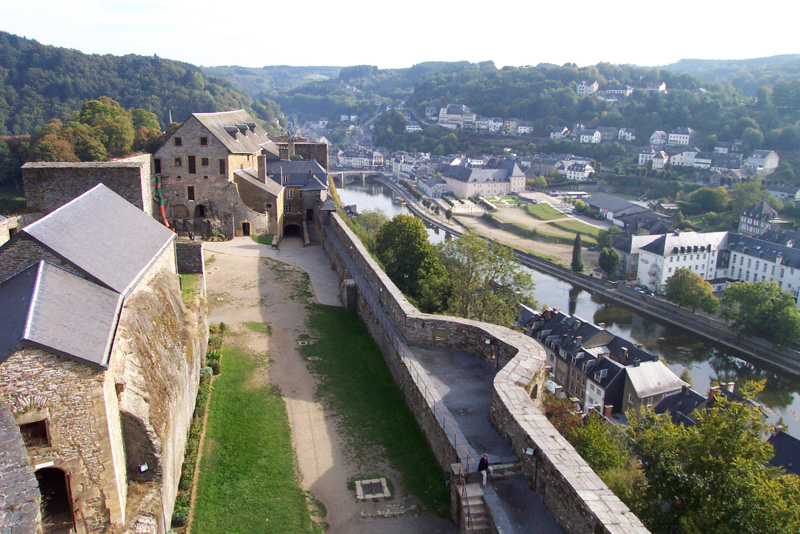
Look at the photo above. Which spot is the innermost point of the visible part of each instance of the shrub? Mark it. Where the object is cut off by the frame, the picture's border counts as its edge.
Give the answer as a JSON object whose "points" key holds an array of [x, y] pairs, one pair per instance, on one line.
{"points": [[205, 373], [213, 355], [215, 366]]}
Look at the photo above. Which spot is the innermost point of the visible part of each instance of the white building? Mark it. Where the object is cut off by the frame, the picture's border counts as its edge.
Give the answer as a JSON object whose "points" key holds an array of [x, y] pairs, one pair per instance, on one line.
{"points": [[591, 137], [763, 161], [755, 260], [658, 139], [681, 137], [698, 252], [559, 132], [627, 134], [496, 177], [579, 171], [585, 88]]}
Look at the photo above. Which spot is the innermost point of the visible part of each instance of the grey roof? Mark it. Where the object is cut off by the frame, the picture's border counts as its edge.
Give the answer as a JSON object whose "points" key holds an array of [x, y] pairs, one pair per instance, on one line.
{"points": [[495, 170], [53, 309], [786, 189], [759, 248], [2, 219], [103, 235], [685, 242], [653, 378], [611, 203], [787, 452], [238, 131], [760, 210], [297, 173], [680, 405], [328, 205], [250, 176]]}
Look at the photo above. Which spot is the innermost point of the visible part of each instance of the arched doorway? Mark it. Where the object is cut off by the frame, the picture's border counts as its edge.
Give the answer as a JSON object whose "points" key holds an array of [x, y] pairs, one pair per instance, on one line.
{"points": [[56, 504], [200, 211], [179, 211], [292, 230]]}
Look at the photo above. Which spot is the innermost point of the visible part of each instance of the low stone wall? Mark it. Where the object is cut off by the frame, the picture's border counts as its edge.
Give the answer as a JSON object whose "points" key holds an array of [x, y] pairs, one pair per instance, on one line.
{"points": [[189, 256], [581, 502]]}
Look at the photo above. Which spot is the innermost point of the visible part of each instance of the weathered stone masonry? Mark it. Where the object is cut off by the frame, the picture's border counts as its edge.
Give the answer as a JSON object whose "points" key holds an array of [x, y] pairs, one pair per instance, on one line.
{"points": [[579, 500]]}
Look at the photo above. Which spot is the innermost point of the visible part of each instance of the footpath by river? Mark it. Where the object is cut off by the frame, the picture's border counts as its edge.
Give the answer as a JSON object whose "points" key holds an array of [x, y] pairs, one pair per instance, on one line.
{"points": [[681, 350]]}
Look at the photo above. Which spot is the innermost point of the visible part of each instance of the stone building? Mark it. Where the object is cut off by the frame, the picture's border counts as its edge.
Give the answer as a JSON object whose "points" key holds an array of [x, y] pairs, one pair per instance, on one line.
{"points": [[99, 362], [50, 185], [214, 173]]}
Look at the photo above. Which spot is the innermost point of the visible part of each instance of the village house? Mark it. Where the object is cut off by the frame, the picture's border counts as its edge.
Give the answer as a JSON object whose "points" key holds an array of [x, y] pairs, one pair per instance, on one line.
{"points": [[757, 219], [585, 88], [579, 172], [682, 137], [590, 137], [785, 193], [559, 132], [627, 134], [98, 363], [214, 176], [659, 139], [763, 162], [702, 253]]}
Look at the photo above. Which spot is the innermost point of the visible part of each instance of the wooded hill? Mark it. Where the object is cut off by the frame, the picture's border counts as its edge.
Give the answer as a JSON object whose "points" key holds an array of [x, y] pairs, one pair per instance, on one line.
{"points": [[39, 82]]}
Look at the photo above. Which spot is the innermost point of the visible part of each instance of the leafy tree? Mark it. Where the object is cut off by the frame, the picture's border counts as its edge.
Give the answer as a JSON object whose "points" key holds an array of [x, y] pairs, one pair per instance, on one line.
{"points": [[687, 288], [449, 213], [112, 123], [603, 238], [597, 446], [540, 182], [577, 262], [761, 308], [717, 199], [402, 246], [609, 259], [487, 283], [686, 376], [713, 477], [746, 194]]}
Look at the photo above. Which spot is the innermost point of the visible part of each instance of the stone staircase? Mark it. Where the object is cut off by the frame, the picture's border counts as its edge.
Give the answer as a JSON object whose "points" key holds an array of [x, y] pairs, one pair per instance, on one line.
{"points": [[474, 517]]}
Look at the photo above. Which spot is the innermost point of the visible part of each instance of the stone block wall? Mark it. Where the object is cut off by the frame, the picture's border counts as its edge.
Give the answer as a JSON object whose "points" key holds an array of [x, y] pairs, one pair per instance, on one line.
{"points": [[190, 257], [50, 185], [581, 502]]}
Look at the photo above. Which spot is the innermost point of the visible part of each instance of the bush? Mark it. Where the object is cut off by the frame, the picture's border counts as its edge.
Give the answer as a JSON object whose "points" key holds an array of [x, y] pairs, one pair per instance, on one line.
{"points": [[213, 355], [214, 365], [179, 517], [206, 373]]}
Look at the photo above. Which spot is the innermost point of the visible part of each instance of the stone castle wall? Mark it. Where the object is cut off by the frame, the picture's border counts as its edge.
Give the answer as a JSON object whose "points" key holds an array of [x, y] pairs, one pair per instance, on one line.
{"points": [[50, 185], [581, 502], [19, 491], [190, 257]]}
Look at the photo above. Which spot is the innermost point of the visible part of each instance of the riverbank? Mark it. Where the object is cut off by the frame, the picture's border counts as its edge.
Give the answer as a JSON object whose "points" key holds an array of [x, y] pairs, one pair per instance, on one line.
{"points": [[754, 349]]}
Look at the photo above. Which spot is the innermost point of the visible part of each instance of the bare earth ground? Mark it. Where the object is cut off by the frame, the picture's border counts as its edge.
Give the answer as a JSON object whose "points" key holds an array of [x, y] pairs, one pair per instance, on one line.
{"points": [[247, 283]]}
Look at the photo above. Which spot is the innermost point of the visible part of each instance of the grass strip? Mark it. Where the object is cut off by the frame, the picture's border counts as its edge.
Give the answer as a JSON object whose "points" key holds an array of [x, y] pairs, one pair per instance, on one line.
{"points": [[262, 239], [189, 284], [355, 382], [575, 226], [248, 479], [543, 212]]}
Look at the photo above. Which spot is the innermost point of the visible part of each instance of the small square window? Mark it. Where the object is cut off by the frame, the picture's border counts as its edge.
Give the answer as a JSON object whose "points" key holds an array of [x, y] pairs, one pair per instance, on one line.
{"points": [[35, 434], [204, 141], [177, 141], [179, 162], [204, 162]]}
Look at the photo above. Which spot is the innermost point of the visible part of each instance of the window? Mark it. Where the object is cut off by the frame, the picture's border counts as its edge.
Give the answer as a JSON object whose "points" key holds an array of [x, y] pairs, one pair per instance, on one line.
{"points": [[157, 166], [192, 165], [289, 194], [222, 166], [35, 434], [284, 179], [287, 209], [630, 398], [177, 141], [204, 141], [178, 162], [300, 194], [204, 162], [670, 259], [190, 192]]}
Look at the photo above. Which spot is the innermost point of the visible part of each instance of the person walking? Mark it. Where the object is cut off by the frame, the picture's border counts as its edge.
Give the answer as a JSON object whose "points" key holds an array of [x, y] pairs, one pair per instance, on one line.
{"points": [[483, 467]]}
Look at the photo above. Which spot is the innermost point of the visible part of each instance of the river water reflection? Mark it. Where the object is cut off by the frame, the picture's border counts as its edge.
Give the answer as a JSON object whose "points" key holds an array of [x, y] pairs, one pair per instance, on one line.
{"points": [[680, 349]]}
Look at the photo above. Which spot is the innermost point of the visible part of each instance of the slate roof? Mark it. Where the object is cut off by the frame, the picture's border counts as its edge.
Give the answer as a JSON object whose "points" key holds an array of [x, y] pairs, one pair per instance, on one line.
{"points": [[251, 177], [495, 170], [653, 378], [685, 242], [300, 174], [238, 131], [328, 205], [785, 189], [760, 210], [766, 250], [612, 204], [787, 452], [680, 405], [103, 235], [50, 308]]}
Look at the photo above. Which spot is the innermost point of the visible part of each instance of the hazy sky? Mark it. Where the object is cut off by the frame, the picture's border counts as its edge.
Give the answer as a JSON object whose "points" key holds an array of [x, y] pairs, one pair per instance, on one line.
{"points": [[386, 34]]}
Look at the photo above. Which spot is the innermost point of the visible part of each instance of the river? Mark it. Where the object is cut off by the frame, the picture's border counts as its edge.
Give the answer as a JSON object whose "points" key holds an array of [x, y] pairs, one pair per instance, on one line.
{"points": [[680, 350]]}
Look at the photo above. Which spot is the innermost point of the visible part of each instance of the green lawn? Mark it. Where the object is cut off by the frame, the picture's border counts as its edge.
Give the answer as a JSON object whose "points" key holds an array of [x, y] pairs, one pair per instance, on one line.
{"points": [[576, 226], [248, 477], [262, 239], [189, 283], [543, 211], [355, 383]]}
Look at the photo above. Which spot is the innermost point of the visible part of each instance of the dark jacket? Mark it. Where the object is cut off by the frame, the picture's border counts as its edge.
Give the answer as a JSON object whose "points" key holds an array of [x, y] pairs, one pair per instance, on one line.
{"points": [[483, 465]]}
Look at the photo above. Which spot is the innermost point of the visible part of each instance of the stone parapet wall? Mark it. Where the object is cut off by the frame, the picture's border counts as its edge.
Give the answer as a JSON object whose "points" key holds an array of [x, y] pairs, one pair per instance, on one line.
{"points": [[580, 501]]}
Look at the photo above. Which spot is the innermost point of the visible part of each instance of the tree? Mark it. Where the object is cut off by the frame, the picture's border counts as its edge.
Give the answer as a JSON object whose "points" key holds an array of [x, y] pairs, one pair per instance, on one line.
{"points": [[686, 376], [709, 199], [487, 284], [596, 445], [577, 262], [687, 288], [402, 246], [112, 123], [609, 259], [760, 308], [540, 182], [449, 213], [603, 238], [713, 476]]}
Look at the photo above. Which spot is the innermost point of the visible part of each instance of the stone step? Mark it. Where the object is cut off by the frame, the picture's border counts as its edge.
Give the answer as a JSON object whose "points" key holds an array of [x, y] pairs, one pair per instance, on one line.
{"points": [[508, 470]]}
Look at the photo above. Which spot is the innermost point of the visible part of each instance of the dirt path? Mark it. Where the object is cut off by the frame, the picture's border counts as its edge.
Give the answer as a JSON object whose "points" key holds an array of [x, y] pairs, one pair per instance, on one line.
{"points": [[247, 284]]}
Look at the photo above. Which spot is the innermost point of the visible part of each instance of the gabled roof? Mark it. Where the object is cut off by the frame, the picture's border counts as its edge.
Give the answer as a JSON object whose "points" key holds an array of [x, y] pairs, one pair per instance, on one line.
{"points": [[104, 236], [238, 131], [47, 307], [328, 205], [653, 378], [689, 241], [251, 177], [612, 204], [681, 405], [297, 173]]}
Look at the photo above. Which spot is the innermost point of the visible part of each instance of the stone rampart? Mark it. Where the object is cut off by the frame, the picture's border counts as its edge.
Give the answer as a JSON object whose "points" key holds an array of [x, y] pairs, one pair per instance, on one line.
{"points": [[189, 256], [581, 502]]}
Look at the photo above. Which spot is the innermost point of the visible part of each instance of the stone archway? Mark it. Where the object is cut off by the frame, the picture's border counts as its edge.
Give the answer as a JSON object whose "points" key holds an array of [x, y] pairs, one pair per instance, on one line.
{"points": [[179, 211], [292, 230], [57, 512], [200, 211]]}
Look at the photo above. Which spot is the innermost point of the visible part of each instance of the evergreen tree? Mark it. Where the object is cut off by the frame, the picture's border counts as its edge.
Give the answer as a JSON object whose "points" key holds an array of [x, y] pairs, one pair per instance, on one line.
{"points": [[577, 262]]}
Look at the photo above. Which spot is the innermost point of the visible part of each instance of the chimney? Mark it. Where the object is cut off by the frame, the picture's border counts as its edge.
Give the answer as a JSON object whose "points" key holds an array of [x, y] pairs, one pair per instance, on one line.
{"points": [[711, 392], [601, 326], [730, 386], [624, 357], [262, 168], [685, 391], [579, 340], [636, 362], [607, 411]]}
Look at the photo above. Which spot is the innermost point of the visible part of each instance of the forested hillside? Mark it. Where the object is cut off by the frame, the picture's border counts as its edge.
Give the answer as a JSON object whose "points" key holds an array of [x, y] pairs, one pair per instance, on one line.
{"points": [[746, 75], [39, 82], [258, 82]]}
